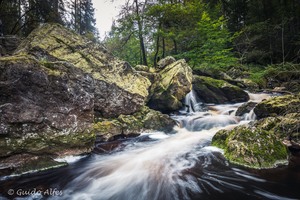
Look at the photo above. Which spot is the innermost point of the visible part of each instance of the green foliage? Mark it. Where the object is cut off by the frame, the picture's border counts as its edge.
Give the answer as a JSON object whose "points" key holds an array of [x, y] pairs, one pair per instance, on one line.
{"points": [[127, 48], [212, 44], [278, 72]]}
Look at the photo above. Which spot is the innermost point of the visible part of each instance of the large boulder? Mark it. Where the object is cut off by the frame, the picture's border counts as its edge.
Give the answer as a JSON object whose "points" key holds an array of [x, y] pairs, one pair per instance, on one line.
{"points": [[174, 82], [165, 62], [118, 88], [126, 125], [263, 143], [278, 106], [211, 90], [53, 87], [251, 147]]}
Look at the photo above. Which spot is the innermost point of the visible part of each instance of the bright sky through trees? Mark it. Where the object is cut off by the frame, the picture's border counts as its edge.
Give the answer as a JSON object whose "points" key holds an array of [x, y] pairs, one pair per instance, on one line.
{"points": [[105, 12]]}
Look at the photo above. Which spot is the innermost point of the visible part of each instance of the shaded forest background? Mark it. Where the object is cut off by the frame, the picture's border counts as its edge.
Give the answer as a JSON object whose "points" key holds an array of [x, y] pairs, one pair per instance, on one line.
{"points": [[208, 34], [20, 17]]}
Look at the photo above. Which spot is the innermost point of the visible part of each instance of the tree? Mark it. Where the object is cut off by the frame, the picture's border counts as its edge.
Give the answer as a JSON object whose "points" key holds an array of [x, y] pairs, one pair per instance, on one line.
{"points": [[83, 20]]}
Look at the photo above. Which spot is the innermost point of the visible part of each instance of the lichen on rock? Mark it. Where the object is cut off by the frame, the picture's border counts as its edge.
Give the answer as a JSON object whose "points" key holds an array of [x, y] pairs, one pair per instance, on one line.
{"points": [[278, 106], [251, 147], [54, 85], [143, 121], [174, 83]]}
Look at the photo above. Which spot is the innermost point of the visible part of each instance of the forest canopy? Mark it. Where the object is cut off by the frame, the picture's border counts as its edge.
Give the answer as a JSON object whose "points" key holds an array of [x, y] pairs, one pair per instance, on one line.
{"points": [[216, 33], [20, 17], [209, 33]]}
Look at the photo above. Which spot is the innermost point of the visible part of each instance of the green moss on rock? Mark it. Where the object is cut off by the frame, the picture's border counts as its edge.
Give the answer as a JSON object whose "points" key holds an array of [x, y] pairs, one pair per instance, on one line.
{"points": [[54, 42], [144, 120], [251, 147], [174, 83], [278, 106], [55, 143], [211, 90]]}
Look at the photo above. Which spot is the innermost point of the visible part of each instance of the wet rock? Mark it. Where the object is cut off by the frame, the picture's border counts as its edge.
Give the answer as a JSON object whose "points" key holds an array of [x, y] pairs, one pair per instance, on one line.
{"points": [[126, 125], [278, 106], [174, 83], [251, 147], [245, 108], [24, 163], [218, 91]]}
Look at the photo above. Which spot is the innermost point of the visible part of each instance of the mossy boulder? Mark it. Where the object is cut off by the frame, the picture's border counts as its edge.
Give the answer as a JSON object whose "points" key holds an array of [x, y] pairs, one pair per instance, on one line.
{"points": [[251, 147], [52, 88], [143, 68], [165, 62], [126, 125], [278, 106], [286, 127], [212, 90], [118, 88], [174, 82]]}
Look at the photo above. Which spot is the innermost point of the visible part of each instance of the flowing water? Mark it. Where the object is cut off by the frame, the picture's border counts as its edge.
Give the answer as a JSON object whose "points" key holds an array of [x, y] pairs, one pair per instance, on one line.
{"points": [[163, 166]]}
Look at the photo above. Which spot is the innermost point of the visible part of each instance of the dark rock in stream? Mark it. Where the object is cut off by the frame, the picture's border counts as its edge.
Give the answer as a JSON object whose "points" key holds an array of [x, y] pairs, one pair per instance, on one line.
{"points": [[211, 90], [245, 108], [143, 121]]}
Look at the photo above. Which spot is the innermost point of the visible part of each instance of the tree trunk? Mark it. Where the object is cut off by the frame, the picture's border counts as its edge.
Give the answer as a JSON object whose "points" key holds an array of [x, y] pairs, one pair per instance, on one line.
{"points": [[140, 32], [163, 48], [156, 51], [175, 46]]}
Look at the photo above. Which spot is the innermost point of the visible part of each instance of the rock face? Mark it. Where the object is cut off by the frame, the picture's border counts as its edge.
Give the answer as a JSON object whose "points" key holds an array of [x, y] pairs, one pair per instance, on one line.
{"points": [[165, 62], [53, 87], [212, 90], [126, 125], [8, 44], [251, 147], [281, 105], [174, 82], [114, 90], [245, 108], [264, 143]]}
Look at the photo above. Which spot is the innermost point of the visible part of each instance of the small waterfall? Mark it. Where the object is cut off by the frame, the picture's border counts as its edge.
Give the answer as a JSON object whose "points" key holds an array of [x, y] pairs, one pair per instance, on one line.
{"points": [[192, 103], [250, 116]]}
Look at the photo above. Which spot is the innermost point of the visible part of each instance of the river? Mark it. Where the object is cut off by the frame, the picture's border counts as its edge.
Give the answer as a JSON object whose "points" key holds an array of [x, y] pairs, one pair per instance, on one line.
{"points": [[162, 166]]}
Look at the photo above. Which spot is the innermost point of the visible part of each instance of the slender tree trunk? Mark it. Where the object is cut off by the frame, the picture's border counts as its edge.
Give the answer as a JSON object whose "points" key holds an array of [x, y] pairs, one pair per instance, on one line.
{"points": [[156, 51], [163, 48], [282, 43], [75, 16], [175, 46], [142, 45]]}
